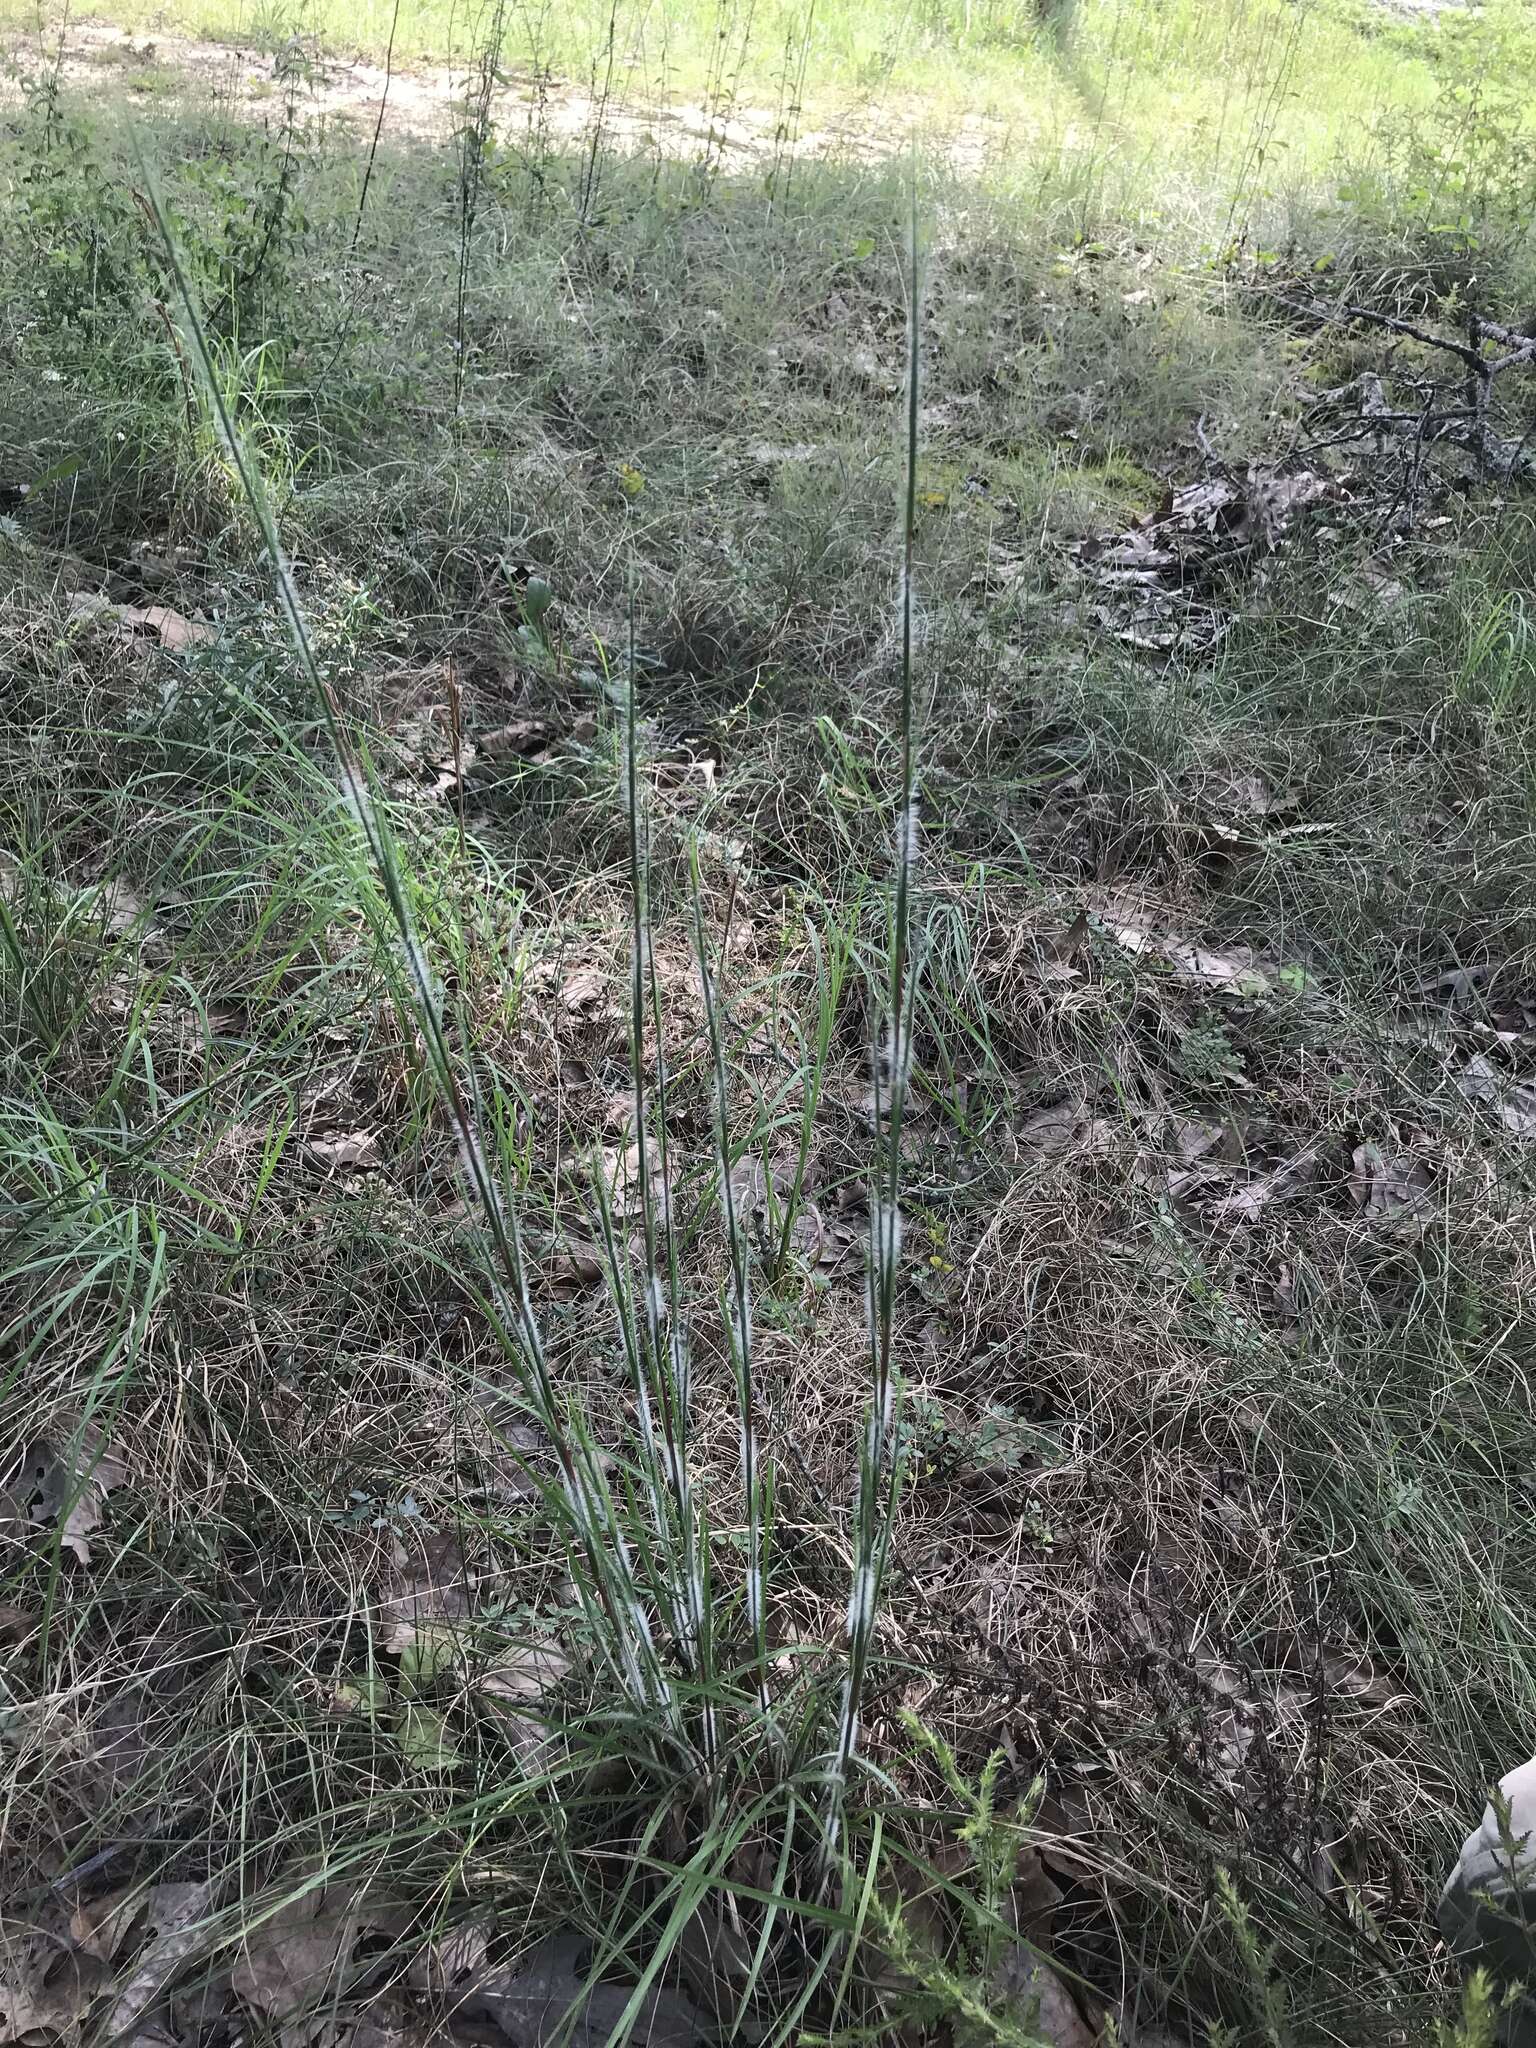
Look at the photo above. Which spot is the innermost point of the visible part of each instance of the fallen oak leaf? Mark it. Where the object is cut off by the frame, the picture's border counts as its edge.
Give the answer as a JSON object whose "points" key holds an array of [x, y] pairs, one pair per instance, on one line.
{"points": [[299, 1956], [546, 2001], [1247, 1204], [178, 1914], [525, 1671], [1030, 1989], [101, 1926], [1513, 1101], [352, 1151]]}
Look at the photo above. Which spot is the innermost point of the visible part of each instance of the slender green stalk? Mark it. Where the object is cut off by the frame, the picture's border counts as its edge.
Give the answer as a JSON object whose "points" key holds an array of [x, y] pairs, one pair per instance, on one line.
{"points": [[756, 1481], [654, 1339], [627, 1636], [879, 1465]]}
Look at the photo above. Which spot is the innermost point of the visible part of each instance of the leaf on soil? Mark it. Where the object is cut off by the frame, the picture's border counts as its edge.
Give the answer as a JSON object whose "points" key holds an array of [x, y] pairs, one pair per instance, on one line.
{"points": [[1032, 1991], [299, 1956], [174, 632], [1388, 1183], [176, 1913], [1247, 1204], [525, 1671], [546, 2001], [429, 1597], [350, 1151], [46, 1988], [99, 1927], [1513, 1101], [67, 1484]]}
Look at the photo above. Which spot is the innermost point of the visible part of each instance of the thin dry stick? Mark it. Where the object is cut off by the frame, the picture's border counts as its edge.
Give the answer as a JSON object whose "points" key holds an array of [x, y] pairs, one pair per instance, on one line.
{"points": [[456, 721], [378, 130]]}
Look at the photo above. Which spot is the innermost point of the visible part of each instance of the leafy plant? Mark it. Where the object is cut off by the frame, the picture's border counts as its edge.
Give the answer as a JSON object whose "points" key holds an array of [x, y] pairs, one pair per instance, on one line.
{"points": [[1461, 169], [81, 231]]}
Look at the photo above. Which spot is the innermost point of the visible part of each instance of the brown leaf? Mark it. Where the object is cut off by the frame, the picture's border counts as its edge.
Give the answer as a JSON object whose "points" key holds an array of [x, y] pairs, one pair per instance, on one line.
{"points": [[525, 1671], [101, 1926], [1069, 1840], [1031, 1989], [547, 2000], [1247, 1204], [299, 1956], [177, 1913], [1513, 1101], [352, 1151]]}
